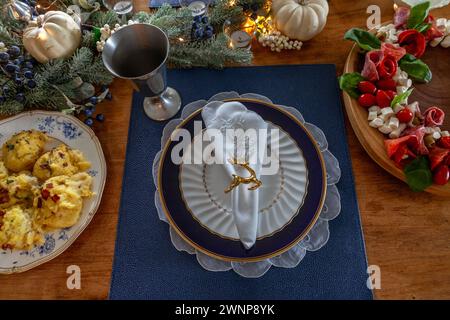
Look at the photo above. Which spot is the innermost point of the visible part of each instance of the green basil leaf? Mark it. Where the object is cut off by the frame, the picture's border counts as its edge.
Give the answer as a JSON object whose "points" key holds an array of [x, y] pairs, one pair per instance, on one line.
{"points": [[401, 97], [349, 83], [418, 14], [415, 68], [424, 27], [418, 174], [365, 40]]}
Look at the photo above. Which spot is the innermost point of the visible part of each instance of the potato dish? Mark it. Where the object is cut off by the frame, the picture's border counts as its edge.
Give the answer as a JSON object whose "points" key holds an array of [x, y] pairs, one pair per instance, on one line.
{"points": [[39, 190]]}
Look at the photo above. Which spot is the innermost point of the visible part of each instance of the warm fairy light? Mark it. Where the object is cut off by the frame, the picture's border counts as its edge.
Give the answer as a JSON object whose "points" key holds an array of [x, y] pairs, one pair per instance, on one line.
{"points": [[395, 7], [249, 25], [232, 3], [264, 24], [181, 39]]}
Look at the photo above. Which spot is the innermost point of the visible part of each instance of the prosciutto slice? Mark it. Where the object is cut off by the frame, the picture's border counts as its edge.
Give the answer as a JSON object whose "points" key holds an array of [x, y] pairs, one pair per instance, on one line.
{"points": [[434, 116], [401, 17], [373, 59], [417, 144], [395, 51]]}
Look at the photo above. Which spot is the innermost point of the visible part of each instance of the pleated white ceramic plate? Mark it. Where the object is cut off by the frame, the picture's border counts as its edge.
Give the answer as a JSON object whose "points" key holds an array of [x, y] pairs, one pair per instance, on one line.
{"points": [[281, 195]]}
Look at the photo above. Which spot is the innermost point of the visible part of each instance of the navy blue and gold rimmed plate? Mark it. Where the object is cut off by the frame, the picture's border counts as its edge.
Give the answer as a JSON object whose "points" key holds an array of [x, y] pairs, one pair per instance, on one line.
{"points": [[222, 248]]}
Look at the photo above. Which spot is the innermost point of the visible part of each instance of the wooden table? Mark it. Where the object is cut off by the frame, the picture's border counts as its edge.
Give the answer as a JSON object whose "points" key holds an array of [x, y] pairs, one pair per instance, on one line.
{"points": [[407, 235]]}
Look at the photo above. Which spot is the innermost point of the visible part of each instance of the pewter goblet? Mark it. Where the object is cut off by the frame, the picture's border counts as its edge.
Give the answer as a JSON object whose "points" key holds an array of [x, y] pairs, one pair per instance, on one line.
{"points": [[139, 52]]}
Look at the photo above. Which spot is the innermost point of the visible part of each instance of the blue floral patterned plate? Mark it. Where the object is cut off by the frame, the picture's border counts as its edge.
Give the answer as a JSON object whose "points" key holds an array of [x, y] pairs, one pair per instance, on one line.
{"points": [[71, 131]]}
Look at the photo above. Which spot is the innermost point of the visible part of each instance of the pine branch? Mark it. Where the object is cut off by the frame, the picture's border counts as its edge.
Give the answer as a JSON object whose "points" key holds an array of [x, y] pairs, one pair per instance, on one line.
{"points": [[100, 18], [213, 53], [222, 12]]}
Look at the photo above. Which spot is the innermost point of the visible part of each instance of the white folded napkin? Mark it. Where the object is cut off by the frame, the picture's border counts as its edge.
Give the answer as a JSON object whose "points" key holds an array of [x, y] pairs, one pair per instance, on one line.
{"points": [[234, 115]]}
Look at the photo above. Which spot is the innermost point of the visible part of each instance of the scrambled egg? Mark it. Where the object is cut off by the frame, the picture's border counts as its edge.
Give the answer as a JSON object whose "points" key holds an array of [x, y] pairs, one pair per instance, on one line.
{"points": [[27, 208], [17, 189], [17, 228], [60, 202], [22, 150], [60, 161]]}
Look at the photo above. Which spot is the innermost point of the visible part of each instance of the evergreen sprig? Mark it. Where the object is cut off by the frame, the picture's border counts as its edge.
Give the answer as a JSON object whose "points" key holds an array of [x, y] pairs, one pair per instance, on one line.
{"points": [[58, 81]]}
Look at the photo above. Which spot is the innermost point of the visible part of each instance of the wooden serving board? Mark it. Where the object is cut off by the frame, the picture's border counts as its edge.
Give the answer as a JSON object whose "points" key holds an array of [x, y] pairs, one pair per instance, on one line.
{"points": [[434, 93]]}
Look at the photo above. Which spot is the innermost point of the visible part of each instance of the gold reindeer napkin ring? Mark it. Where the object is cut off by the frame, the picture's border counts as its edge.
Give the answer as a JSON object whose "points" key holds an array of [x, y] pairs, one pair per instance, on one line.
{"points": [[237, 180]]}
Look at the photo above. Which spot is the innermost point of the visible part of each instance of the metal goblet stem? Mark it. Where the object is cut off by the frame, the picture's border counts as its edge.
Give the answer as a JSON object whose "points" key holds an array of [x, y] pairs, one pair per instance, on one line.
{"points": [[139, 52]]}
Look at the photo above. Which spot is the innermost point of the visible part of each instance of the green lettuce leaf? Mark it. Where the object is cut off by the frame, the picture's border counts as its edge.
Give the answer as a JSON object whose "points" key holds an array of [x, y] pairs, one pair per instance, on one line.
{"points": [[418, 174], [418, 14], [365, 40], [349, 83], [415, 68]]}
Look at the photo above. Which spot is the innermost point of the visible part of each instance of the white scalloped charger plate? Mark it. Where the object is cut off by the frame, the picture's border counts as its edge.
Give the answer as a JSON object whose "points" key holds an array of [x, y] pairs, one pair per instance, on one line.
{"points": [[71, 131], [281, 194]]}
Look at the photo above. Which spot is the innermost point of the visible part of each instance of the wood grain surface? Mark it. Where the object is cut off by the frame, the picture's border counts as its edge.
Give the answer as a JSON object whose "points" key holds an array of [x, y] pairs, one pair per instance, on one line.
{"points": [[407, 234]]}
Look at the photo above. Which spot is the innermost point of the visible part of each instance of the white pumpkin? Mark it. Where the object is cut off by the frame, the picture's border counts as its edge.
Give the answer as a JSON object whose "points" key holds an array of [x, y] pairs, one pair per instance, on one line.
{"points": [[52, 36], [300, 19]]}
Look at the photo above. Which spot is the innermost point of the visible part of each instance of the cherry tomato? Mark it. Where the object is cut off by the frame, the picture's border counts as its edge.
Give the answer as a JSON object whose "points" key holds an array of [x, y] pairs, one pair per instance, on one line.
{"points": [[391, 94], [405, 115], [367, 100], [387, 84], [367, 87], [383, 99], [441, 175], [444, 142]]}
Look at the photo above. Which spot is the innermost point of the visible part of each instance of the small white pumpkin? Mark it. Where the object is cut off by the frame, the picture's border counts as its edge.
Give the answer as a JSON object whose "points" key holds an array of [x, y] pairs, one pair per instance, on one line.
{"points": [[300, 19], [52, 36]]}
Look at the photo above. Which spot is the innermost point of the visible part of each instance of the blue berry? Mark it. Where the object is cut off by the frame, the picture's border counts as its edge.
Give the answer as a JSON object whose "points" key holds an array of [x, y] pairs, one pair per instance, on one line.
{"points": [[209, 33], [88, 112], [31, 84], [195, 26], [89, 122], [5, 89], [2, 99], [198, 34], [16, 62], [14, 51], [28, 74], [197, 19], [4, 57], [205, 19], [18, 81], [10, 67], [29, 65], [100, 117], [108, 96], [93, 100], [20, 97]]}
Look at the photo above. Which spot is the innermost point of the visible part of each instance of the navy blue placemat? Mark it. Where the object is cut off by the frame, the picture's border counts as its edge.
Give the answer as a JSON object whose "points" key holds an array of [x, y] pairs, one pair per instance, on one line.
{"points": [[147, 266]]}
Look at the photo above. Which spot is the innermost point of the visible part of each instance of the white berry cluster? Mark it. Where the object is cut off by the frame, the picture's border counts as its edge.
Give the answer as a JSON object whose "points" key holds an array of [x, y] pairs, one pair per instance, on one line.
{"points": [[2, 47], [106, 31], [277, 42], [444, 26]]}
